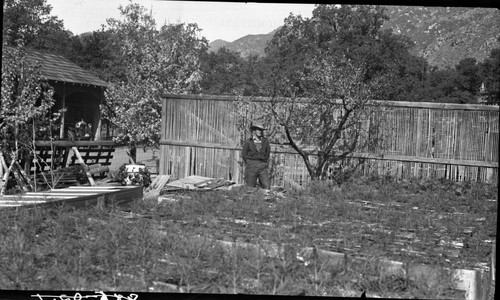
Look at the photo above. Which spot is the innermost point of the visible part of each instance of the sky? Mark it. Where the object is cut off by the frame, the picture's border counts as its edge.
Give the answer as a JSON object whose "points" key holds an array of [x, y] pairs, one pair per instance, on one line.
{"points": [[228, 21]]}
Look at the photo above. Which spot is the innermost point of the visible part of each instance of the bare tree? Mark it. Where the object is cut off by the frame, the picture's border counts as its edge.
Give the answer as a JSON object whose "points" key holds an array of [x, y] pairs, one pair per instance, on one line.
{"points": [[332, 121]]}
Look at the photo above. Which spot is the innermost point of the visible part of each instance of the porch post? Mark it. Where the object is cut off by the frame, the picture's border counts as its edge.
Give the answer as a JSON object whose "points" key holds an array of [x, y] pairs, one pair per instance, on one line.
{"points": [[98, 128], [63, 100], [97, 136]]}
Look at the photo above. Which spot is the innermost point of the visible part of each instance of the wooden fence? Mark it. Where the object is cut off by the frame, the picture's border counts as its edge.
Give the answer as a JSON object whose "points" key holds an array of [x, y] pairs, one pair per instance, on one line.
{"points": [[200, 136]]}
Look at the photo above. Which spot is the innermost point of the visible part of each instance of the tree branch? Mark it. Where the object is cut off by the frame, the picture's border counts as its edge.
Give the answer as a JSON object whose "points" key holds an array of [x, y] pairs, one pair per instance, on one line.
{"points": [[304, 155]]}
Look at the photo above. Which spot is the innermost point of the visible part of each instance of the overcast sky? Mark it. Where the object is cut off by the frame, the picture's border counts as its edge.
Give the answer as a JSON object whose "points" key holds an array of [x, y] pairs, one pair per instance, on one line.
{"points": [[218, 20]]}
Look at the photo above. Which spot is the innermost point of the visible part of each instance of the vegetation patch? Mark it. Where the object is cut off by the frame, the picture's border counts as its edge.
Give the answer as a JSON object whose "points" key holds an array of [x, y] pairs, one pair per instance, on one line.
{"points": [[150, 246]]}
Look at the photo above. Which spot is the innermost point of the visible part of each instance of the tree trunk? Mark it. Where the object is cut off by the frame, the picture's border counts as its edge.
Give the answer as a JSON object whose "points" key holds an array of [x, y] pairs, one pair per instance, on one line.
{"points": [[132, 153]]}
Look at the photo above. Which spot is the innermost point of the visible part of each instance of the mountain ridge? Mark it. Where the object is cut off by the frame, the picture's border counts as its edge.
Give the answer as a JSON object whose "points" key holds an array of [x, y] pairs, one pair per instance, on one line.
{"points": [[442, 35]]}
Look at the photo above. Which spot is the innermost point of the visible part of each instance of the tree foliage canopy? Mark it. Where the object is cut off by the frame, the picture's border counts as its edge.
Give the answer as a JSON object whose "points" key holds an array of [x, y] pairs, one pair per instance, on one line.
{"points": [[151, 62], [222, 72], [490, 71], [337, 61], [25, 104], [28, 23]]}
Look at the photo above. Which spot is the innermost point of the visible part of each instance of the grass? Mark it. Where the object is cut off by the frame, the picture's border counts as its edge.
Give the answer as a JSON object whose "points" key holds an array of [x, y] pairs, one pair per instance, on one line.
{"points": [[172, 246]]}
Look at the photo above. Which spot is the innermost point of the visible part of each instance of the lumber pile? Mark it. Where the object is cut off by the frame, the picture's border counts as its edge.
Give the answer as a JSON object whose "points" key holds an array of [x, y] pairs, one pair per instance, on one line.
{"points": [[196, 183], [154, 189]]}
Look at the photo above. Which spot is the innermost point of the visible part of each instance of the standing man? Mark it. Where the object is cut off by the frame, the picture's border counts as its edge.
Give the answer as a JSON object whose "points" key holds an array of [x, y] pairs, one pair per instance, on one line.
{"points": [[256, 152]]}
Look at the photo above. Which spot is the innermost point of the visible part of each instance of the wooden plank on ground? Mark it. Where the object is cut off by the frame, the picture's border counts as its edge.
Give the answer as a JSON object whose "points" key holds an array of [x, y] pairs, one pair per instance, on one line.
{"points": [[25, 201], [81, 192], [74, 197], [198, 182], [91, 188], [74, 194], [26, 196], [188, 182], [111, 187], [159, 182]]}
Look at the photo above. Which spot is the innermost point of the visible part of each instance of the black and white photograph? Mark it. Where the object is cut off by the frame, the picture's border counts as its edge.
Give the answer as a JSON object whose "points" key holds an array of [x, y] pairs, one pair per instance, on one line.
{"points": [[160, 149]]}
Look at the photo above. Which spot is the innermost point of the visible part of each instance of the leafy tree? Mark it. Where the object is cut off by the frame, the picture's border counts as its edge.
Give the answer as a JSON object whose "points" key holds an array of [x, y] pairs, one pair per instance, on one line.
{"points": [[222, 72], [407, 81], [287, 54], [25, 106], [403, 72], [94, 52], [335, 55], [458, 85], [254, 73], [348, 32], [29, 23], [154, 62], [490, 72], [469, 70], [446, 86], [327, 126], [225, 72]]}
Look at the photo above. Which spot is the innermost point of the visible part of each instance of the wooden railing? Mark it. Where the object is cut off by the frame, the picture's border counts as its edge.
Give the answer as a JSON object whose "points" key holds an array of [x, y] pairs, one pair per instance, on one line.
{"points": [[56, 154]]}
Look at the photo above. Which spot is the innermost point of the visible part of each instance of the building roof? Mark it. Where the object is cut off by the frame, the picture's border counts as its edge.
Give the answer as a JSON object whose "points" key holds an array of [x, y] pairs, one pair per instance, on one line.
{"points": [[57, 68]]}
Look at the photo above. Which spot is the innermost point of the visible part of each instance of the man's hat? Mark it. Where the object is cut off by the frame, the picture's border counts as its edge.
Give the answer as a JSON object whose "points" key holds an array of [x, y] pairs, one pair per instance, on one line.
{"points": [[256, 125]]}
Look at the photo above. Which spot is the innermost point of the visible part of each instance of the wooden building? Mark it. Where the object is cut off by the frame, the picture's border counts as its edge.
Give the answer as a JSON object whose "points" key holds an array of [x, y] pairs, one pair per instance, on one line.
{"points": [[80, 93], [76, 89]]}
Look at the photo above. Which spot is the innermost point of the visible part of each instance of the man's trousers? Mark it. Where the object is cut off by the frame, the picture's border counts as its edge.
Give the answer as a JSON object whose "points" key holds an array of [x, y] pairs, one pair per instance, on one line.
{"points": [[256, 169]]}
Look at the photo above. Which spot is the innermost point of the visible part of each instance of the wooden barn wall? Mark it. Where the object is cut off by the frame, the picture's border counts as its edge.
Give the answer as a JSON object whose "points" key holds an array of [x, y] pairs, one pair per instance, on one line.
{"points": [[200, 136]]}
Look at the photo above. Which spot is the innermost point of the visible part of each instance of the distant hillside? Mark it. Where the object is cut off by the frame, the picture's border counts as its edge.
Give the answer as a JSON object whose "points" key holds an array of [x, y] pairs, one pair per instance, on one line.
{"points": [[215, 45], [444, 36], [247, 45]]}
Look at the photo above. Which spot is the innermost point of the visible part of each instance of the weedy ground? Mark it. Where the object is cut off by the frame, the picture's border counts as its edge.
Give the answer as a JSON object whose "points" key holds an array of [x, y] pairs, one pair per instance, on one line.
{"points": [[149, 246]]}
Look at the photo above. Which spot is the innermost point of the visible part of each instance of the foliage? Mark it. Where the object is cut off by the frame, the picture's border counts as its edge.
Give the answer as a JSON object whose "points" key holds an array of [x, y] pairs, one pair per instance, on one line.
{"points": [[443, 86], [459, 85], [409, 77], [29, 23], [348, 32], [222, 72], [490, 69], [154, 62], [94, 52], [336, 55], [254, 75], [469, 71], [320, 125], [404, 74], [25, 104], [186, 244], [226, 72]]}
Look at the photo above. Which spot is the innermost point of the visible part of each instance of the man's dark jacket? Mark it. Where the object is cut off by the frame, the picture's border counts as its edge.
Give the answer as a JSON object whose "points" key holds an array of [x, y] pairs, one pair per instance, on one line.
{"points": [[250, 151]]}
